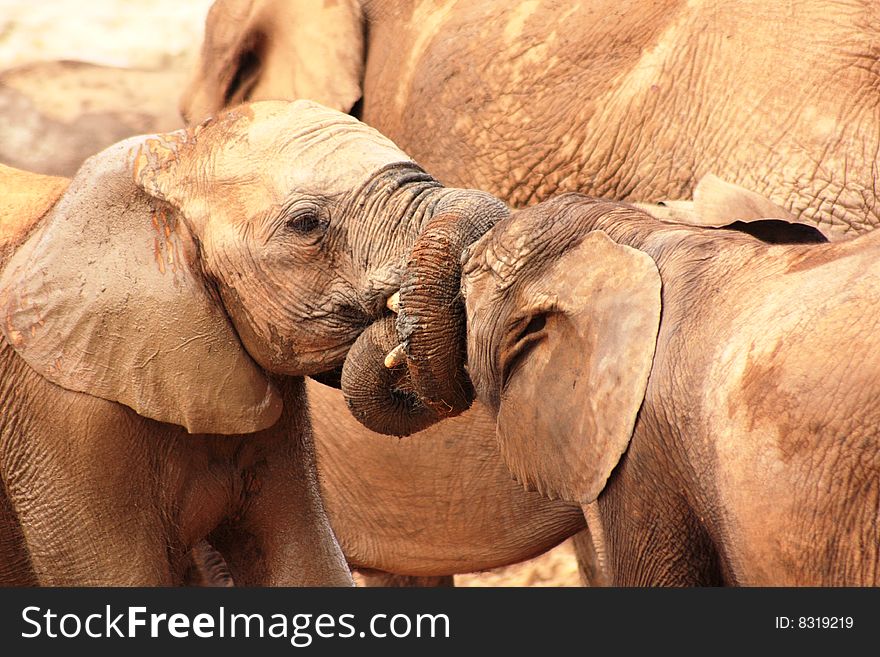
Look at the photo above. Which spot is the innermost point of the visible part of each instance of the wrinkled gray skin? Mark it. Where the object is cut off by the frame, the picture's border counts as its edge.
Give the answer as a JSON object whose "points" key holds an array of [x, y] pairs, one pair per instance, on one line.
{"points": [[745, 415], [258, 247]]}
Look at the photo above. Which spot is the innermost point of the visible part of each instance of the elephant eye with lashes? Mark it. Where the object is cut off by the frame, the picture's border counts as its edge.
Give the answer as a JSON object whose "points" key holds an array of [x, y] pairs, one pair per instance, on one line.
{"points": [[308, 222], [303, 223]]}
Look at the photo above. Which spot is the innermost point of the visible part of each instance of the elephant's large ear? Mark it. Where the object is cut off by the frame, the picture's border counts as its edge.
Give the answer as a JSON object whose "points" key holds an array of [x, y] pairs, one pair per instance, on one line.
{"points": [[278, 50], [720, 204], [570, 404], [107, 297]]}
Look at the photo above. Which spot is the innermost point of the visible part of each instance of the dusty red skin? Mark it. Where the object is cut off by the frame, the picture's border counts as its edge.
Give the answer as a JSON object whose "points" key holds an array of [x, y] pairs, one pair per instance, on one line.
{"points": [[753, 435]]}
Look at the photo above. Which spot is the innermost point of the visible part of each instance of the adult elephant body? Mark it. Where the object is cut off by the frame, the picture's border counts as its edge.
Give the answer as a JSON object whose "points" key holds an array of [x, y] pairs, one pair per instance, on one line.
{"points": [[56, 114], [730, 438], [438, 503], [625, 100]]}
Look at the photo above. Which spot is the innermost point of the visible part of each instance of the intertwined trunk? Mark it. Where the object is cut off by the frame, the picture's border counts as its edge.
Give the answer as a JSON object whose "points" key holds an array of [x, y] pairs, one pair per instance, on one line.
{"points": [[433, 383]]}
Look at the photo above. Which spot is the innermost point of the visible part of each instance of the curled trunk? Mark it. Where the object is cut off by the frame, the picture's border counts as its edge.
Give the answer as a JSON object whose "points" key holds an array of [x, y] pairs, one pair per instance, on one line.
{"points": [[431, 322], [382, 398], [430, 325]]}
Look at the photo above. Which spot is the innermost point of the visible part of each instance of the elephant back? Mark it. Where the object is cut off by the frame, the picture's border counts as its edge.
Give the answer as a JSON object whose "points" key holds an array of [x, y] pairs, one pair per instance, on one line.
{"points": [[24, 198]]}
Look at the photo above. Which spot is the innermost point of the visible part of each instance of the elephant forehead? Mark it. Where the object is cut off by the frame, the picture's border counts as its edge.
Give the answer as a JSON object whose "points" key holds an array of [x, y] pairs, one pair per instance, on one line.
{"points": [[497, 258], [304, 146]]}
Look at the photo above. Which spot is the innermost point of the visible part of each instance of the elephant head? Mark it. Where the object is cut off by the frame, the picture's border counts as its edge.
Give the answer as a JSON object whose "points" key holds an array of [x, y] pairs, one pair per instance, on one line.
{"points": [[278, 50], [563, 322], [557, 313], [179, 272]]}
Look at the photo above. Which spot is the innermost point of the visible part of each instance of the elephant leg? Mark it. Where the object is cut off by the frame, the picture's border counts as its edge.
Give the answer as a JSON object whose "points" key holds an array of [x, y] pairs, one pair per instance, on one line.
{"points": [[77, 551], [376, 578], [15, 565], [280, 535], [93, 543], [84, 490]]}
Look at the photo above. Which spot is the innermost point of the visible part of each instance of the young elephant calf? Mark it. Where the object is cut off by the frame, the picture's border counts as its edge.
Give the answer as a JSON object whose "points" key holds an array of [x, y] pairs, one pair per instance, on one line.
{"points": [[135, 422], [717, 395], [158, 313]]}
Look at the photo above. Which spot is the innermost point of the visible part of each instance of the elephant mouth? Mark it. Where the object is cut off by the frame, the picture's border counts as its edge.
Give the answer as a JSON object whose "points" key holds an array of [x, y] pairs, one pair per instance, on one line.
{"points": [[331, 378], [359, 320]]}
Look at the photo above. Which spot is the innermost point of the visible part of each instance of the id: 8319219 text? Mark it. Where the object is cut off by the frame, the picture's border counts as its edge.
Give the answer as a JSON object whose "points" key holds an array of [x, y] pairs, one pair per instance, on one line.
{"points": [[814, 622]]}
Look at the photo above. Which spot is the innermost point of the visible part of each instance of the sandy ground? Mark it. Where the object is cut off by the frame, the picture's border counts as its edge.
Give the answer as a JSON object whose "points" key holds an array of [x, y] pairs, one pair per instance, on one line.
{"points": [[163, 34], [558, 567]]}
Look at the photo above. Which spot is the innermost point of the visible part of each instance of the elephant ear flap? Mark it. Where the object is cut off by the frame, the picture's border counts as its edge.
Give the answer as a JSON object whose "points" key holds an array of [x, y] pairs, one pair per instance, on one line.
{"points": [[720, 204], [317, 54], [107, 297], [278, 50], [568, 412]]}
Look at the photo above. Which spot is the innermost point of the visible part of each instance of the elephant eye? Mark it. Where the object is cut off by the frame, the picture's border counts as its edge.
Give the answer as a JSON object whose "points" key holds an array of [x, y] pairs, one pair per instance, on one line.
{"points": [[536, 324], [525, 334], [305, 221]]}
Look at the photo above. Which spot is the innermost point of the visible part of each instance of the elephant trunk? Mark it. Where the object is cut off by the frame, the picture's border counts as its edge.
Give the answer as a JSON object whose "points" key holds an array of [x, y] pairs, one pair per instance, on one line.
{"points": [[379, 397], [431, 328]]}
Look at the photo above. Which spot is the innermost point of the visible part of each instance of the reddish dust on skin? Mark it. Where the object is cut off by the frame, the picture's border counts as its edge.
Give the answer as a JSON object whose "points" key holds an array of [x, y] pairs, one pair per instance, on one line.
{"points": [[154, 155], [15, 337], [166, 250], [157, 153]]}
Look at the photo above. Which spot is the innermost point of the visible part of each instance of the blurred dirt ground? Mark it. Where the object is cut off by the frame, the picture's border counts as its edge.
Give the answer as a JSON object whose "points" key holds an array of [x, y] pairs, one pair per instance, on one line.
{"points": [[558, 567], [166, 34]]}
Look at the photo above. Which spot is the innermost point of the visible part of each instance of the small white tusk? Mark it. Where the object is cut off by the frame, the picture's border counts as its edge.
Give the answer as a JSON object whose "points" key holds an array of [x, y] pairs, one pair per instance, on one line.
{"points": [[393, 303], [395, 357]]}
